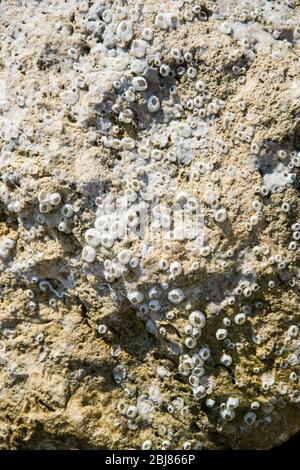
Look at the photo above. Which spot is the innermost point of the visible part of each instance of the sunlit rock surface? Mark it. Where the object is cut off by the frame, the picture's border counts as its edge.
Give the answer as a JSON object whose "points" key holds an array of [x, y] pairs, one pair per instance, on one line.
{"points": [[149, 224]]}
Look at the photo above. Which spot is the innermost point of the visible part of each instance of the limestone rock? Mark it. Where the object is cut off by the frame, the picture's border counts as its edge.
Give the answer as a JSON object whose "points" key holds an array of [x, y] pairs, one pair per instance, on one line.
{"points": [[150, 156]]}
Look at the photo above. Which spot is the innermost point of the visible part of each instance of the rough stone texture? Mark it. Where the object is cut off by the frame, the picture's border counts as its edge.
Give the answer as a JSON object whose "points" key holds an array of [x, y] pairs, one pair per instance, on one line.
{"points": [[58, 391]]}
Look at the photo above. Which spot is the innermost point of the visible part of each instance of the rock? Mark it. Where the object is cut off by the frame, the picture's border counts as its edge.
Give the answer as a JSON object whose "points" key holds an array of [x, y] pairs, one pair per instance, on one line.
{"points": [[149, 225]]}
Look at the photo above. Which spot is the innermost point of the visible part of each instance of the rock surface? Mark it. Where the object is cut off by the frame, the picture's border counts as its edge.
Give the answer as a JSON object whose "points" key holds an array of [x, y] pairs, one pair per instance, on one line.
{"points": [[97, 348]]}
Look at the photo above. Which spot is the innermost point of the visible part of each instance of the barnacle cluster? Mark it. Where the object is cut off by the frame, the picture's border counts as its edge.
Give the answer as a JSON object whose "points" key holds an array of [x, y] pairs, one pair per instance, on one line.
{"points": [[150, 223]]}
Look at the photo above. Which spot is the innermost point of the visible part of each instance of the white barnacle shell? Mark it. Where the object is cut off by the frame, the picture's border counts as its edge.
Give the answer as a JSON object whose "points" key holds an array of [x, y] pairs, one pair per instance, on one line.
{"points": [[125, 31], [176, 296], [135, 297]]}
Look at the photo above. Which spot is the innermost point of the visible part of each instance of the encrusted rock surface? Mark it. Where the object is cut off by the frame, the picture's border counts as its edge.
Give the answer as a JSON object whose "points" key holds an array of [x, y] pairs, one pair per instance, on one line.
{"points": [[95, 352]]}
